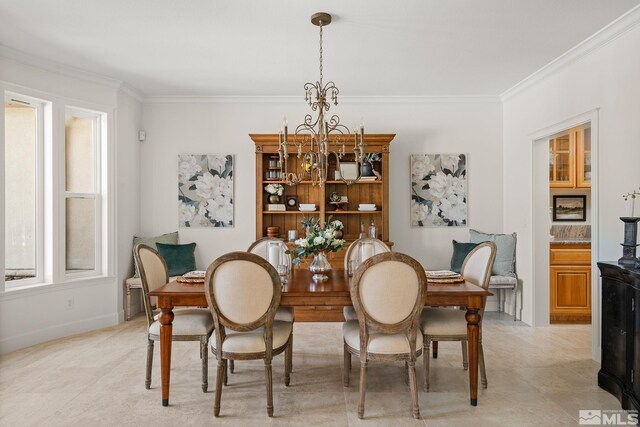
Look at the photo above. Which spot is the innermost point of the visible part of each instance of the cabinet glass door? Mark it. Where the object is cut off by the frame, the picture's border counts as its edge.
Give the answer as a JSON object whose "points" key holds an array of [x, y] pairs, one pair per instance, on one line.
{"points": [[584, 158], [561, 161]]}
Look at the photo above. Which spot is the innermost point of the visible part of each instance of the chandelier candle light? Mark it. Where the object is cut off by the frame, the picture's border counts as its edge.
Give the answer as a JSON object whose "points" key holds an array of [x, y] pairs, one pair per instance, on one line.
{"points": [[316, 140]]}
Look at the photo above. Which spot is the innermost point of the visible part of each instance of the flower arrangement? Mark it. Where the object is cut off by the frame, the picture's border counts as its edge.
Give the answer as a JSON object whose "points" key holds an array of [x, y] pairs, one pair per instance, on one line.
{"points": [[318, 241], [633, 196], [274, 189]]}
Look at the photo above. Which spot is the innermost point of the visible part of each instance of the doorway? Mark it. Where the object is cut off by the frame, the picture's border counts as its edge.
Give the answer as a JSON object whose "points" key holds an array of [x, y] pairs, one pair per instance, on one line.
{"points": [[543, 220], [570, 226]]}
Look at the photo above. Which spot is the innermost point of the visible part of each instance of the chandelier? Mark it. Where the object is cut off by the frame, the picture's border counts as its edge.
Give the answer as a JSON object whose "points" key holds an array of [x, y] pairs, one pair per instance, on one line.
{"points": [[315, 141]]}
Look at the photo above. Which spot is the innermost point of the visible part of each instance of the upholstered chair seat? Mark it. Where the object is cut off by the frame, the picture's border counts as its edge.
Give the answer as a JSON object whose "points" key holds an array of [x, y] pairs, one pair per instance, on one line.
{"points": [[443, 321], [253, 341], [352, 253], [378, 343], [188, 321], [387, 291], [189, 324]]}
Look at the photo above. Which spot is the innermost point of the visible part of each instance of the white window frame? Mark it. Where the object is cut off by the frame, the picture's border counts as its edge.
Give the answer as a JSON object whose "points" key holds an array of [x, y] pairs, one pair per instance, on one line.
{"points": [[43, 120], [99, 171]]}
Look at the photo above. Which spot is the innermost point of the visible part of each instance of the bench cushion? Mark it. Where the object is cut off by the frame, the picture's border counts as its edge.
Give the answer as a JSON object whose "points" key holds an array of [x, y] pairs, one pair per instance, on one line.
{"points": [[503, 282]]}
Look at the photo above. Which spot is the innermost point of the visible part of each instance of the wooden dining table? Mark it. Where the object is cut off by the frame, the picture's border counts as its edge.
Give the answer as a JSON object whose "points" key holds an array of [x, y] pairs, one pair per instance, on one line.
{"points": [[301, 291]]}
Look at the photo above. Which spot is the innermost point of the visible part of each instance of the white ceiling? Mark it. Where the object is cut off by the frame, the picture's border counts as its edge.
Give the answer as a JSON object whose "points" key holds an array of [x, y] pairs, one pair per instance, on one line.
{"points": [[269, 48]]}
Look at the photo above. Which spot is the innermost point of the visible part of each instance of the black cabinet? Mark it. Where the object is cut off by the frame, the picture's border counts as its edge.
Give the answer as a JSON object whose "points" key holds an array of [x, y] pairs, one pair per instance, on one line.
{"points": [[620, 342]]}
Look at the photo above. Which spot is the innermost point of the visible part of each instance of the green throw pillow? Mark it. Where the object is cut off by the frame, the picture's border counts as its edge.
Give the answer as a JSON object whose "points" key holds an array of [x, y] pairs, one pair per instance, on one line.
{"points": [[180, 258], [169, 238], [505, 263], [460, 252]]}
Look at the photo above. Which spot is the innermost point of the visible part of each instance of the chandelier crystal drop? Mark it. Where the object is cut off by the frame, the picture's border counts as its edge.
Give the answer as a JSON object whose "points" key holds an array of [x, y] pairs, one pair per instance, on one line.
{"points": [[316, 140]]}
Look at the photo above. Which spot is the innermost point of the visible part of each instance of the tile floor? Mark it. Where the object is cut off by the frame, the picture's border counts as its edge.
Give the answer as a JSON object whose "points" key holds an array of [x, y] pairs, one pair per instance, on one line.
{"points": [[538, 376]]}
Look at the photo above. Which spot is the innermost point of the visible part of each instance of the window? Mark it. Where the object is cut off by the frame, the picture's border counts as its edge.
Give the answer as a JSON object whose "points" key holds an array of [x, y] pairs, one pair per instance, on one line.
{"points": [[23, 118], [56, 194], [82, 191]]}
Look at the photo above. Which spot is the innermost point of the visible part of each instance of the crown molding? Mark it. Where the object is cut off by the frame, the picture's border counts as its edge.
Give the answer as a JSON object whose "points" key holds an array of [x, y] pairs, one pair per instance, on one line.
{"points": [[126, 88], [453, 99], [609, 33], [68, 71]]}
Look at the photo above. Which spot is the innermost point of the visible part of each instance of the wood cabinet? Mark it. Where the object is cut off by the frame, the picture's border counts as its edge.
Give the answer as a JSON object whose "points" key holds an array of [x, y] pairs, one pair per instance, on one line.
{"points": [[620, 334], [570, 159], [570, 283], [377, 192]]}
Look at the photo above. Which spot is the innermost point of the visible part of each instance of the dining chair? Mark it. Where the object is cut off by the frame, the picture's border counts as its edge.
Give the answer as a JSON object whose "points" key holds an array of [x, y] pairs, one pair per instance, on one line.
{"points": [[189, 324], [446, 324], [243, 293], [387, 291], [354, 253], [261, 248]]}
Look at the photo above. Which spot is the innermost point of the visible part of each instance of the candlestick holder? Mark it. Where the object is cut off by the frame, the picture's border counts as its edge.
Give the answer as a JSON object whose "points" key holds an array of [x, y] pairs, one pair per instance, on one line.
{"points": [[630, 241]]}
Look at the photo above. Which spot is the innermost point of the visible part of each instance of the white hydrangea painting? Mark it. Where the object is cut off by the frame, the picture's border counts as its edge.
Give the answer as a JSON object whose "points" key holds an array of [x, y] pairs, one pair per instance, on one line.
{"points": [[205, 190], [438, 190]]}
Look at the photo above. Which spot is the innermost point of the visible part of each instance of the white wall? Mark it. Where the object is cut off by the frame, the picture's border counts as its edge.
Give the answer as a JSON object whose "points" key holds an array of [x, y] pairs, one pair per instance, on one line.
{"points": [[30, 316], [474, 128], [606, 78], [128, 123]]}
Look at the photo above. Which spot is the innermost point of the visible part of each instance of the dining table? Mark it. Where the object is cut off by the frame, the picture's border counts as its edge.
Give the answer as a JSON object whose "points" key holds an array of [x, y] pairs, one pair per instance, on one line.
{"points": [[301, 290]]}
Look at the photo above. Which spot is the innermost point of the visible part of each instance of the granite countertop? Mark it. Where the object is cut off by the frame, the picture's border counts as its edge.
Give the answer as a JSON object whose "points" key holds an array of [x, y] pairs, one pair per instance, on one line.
{"points": [[570, 241], [570, 235]]}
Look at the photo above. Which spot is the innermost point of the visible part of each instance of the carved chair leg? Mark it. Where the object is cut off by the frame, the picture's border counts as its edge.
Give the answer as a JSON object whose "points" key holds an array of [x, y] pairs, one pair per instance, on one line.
{"points": [[363, 388], [291, 356], [435, 349], [225, 375], [483, 372], [465, 355], [288, 355], [127, 309], [425, 360], [232, 366], [147, 381], [347, 366], [219, 379], [406, 372], [414, 389], [267, 370], [204, 354], [515, 303]]}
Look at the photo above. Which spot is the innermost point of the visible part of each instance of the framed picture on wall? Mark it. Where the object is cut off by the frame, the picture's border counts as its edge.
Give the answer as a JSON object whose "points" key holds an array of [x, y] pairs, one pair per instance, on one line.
{"points": [[569, 208]]}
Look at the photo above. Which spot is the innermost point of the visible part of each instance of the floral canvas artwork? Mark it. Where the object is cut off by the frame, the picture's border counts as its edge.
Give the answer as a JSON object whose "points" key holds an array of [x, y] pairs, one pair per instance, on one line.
{"points": [[205, 190], [438, 190]]}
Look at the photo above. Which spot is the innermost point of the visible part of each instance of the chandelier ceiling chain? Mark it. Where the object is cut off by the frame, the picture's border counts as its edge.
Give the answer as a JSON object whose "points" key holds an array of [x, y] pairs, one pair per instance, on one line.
{"points": [[317, 140], [321, 53]]}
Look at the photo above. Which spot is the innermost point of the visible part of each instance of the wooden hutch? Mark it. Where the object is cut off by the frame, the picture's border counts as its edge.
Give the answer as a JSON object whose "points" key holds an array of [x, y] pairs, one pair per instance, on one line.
{"points": [[376, 192]]}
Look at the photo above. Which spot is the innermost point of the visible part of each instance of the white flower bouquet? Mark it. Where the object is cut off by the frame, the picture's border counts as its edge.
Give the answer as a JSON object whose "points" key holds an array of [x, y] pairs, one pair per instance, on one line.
{"points": [[274, 189], [318, 241]]}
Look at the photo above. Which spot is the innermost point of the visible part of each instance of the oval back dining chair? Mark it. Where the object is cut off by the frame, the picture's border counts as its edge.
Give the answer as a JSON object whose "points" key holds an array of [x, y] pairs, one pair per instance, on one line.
{"points": [[446, 324], [387, 291], [261, 248], [189, 324], [353, 253], [243, 293]]}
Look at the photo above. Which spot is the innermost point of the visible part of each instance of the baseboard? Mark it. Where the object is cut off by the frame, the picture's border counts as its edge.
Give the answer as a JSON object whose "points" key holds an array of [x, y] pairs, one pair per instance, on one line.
{"points": [[18, 342]]}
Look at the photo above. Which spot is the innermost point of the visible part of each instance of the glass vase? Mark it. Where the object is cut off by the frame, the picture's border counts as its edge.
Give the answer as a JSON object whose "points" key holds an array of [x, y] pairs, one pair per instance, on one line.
{"points": [[319, 266]]}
